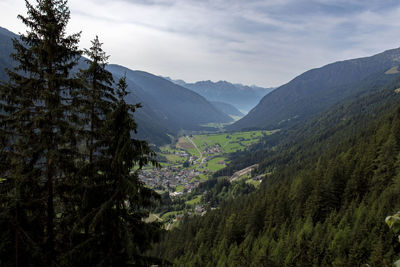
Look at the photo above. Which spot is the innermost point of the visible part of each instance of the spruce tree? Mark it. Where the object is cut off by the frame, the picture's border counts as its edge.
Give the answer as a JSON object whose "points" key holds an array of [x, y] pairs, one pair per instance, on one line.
{"points": [[132, 200], [97, 97], [38, 127], [115, 232], [95, 100]]}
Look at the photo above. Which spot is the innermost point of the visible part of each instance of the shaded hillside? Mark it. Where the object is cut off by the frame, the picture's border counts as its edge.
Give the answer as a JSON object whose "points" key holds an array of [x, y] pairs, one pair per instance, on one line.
{"points": [[317, 89], [227, 108], [179, 107], [5, 51], [330, 184], [150, 127], [241, 96]]}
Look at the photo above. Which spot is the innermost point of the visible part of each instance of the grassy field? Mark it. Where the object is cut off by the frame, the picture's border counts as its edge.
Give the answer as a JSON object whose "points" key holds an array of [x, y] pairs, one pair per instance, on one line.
{"points": [[229, 142], [179, 188], [216, 164], [203, 177], [214, 146], [194, 201], [172, 158], [255, 183]]}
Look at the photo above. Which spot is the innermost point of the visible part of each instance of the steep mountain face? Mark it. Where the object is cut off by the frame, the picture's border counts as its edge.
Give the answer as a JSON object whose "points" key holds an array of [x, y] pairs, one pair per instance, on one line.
{"points": [[227, 108], [317, 89], [241, 96], [167, 108]]}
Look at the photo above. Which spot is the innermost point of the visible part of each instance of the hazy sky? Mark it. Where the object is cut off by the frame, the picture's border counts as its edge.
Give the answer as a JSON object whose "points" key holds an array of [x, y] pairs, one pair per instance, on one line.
{"points": [[266, 43]]}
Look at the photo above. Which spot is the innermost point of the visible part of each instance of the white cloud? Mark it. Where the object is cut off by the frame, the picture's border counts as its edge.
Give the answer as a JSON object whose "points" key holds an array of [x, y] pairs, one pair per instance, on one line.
{"points": [[253, 42]]}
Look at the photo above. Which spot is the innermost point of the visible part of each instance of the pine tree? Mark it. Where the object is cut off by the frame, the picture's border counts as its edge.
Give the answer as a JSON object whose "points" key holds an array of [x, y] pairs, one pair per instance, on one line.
{"points": [[37, 121]]}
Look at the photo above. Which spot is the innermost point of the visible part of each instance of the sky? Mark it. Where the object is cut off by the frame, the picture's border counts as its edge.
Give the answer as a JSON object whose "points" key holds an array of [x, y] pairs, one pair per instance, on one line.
{"points": [[266, 43]]}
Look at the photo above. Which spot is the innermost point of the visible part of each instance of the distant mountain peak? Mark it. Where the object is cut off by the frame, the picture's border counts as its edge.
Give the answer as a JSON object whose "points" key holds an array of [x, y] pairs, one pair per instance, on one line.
{"points": [[240, 96]]}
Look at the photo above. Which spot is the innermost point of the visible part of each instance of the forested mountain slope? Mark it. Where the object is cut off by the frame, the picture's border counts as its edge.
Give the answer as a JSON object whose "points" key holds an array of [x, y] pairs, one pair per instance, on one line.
{"points": [[330, 184], [292, 134], [317, 89]]}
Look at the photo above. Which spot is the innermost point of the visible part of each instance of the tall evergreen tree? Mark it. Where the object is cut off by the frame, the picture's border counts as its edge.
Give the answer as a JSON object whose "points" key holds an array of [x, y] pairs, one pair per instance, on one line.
{"points": [[95, 101], [97, 96], [37, 121], [119, 201]]}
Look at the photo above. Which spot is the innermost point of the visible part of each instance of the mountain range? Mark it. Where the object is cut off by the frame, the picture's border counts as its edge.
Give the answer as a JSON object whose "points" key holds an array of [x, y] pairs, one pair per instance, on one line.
{"points": [[171, 107], [330, 177], [317, 89], [167, 108], [240, 96]]}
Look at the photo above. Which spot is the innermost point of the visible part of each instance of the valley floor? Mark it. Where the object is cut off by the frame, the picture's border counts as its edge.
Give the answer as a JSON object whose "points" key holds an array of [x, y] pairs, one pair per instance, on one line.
{"points": [[194, 159]]}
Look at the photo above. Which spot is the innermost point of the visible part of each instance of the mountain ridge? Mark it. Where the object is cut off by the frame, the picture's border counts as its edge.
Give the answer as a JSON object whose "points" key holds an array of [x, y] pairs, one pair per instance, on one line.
{"points": [[317, 89], [243, 97]]}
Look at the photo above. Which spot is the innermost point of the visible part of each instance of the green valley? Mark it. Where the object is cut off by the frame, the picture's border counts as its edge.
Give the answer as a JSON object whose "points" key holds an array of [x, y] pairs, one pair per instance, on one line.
{"points": [[329, 184], [193, 160], [119, 165]]}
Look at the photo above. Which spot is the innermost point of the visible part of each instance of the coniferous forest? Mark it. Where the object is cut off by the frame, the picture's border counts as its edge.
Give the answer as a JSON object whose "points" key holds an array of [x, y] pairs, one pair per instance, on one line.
{"points": [[70, 193]]}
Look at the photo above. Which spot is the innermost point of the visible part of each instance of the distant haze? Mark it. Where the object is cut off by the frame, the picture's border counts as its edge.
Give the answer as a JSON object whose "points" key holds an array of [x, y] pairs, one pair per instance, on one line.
{"points": [[241, 96], [266, 43]]}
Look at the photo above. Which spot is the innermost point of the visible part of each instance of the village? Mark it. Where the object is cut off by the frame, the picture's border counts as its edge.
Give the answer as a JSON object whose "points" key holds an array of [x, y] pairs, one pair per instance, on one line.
{"points": [[174, 179], [182, 174], [193, 160]]}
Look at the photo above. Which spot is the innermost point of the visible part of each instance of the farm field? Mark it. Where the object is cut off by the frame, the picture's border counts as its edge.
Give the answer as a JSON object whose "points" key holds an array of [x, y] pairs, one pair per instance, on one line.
{"points": [[229, 142]]}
